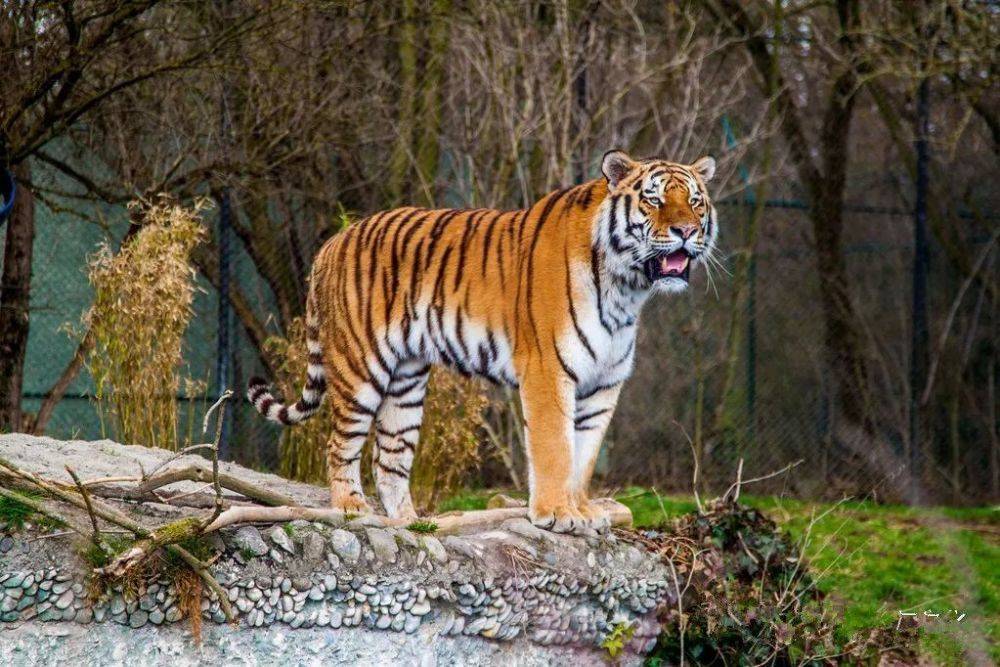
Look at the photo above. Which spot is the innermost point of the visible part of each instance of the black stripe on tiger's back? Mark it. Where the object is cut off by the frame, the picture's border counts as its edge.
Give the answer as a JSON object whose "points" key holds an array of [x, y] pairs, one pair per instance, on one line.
{"points": [[375, 246], [395, 258], [487, 241], [470, 229], [536, 234]]}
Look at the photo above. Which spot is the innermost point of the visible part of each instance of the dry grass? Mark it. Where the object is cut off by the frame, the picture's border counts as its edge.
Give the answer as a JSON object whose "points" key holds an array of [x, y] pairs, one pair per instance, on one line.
{"points": [[142, 306]]}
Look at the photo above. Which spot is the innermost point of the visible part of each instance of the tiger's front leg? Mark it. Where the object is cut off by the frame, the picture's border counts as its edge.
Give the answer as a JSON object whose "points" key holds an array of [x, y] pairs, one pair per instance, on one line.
{"points": [[593, 414], [547, 399]]}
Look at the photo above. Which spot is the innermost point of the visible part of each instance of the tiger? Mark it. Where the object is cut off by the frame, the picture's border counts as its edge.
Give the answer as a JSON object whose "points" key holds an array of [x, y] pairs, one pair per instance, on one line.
{"points": [[544, 299]]}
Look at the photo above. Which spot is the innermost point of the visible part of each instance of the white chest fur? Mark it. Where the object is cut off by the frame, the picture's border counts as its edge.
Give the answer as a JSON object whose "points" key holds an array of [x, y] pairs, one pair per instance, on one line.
{"points": [[599, 343]]}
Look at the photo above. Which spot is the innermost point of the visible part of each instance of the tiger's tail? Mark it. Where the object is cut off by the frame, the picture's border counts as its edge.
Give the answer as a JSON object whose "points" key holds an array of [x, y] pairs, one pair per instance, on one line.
{"points": [[259, 392]]}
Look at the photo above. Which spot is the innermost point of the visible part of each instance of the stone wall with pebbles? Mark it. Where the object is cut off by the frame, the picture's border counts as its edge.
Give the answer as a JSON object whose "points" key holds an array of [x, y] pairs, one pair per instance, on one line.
{"points": [[512, 584]]}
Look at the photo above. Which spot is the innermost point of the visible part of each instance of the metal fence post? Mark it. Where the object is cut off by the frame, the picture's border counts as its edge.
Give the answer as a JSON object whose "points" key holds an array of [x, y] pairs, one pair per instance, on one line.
{"points": [[224, 340], [919, 327], [224, 350], [749, 203]]}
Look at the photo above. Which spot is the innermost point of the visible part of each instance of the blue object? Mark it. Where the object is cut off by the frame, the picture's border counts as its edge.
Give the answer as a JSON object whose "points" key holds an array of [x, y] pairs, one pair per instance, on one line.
{"points": [[8, 190]]}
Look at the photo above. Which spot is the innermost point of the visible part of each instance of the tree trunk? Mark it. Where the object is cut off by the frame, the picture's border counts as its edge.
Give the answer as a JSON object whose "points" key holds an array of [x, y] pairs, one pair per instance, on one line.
{"points": [[429, 138], [402, 154], [842, 338], [15, 290]]}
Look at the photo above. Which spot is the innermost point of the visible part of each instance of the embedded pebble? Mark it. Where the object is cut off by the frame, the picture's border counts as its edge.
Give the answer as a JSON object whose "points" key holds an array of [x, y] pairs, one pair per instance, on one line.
{"points": [[383, 544], [313, 546], [248, 539], [435, 548], [280, 536], [346, 545]]}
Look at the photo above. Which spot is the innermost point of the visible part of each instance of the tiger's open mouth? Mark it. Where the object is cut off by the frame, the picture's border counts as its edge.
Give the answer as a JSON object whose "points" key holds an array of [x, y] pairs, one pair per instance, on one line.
{"points": [[675, 264]]}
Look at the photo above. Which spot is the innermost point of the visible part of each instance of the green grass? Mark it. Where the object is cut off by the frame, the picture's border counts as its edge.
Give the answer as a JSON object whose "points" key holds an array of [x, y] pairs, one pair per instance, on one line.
{"points": [[873, 561]]}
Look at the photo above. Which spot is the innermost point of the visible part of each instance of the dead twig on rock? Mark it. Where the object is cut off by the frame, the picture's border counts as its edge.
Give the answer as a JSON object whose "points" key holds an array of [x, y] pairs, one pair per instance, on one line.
{"points": [[144, 476], [221, 405], [96, 536]]}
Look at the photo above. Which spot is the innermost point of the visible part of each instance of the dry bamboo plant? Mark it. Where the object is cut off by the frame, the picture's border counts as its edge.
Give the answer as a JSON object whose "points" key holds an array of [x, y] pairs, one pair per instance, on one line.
{"points": [[142, 306]]}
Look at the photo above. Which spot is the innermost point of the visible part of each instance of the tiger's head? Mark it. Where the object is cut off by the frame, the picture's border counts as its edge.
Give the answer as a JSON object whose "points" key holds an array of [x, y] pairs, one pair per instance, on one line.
{"points": [[660, 220]]}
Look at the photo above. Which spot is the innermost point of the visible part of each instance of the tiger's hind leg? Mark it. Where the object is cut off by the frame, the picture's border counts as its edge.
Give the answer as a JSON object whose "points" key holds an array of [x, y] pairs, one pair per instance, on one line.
{"points": [[397, 429], [353, 409]]}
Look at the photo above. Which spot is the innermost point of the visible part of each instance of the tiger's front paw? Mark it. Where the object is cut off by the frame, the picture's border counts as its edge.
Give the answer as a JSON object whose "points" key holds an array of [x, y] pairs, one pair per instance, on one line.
{"points": [[596, 515], [563, 519]]}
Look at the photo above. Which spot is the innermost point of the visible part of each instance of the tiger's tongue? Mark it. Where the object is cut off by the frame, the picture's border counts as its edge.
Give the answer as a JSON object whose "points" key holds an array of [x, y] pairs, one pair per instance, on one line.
{"points": [[674, 263]]}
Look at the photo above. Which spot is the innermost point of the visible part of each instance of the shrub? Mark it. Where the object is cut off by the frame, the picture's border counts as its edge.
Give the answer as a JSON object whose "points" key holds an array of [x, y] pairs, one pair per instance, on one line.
{"points": [[142, 306]]}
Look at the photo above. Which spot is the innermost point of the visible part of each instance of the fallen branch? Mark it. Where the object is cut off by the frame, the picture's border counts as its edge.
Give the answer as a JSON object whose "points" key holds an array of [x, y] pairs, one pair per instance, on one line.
{"points": [[446, 523], [170, 534], [177, 455], [179, 530], [199, 472]]}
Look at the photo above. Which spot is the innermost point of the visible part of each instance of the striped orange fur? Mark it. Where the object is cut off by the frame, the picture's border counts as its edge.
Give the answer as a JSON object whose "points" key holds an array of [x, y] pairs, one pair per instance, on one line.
{"points": [[545, 299]]}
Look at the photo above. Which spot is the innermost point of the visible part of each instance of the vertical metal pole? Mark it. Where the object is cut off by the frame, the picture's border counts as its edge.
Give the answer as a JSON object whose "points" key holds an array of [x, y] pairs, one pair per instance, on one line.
{"points": [[224, 340], [749, 203], [752, 347], [919, 327]]}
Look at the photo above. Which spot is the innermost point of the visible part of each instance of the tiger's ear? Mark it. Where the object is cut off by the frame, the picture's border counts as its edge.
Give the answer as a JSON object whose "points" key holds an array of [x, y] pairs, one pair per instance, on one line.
{"points": [[705, 167], [616, 166]]}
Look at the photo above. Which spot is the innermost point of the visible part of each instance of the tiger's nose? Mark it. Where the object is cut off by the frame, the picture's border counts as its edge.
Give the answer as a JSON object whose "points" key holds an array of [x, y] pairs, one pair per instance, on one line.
{"points": [[684, 231]]}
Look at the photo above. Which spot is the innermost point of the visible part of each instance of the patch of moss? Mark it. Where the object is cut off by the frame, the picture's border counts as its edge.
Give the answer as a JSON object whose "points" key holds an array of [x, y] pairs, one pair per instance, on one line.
{"points": [[289, 529], [112, 544], [423, 527], [247, 553], [15, 513]]}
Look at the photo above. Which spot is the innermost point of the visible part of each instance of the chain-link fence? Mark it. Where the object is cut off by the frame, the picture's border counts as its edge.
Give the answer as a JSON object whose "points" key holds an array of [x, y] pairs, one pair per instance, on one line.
{"points": [[711, 384]]}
